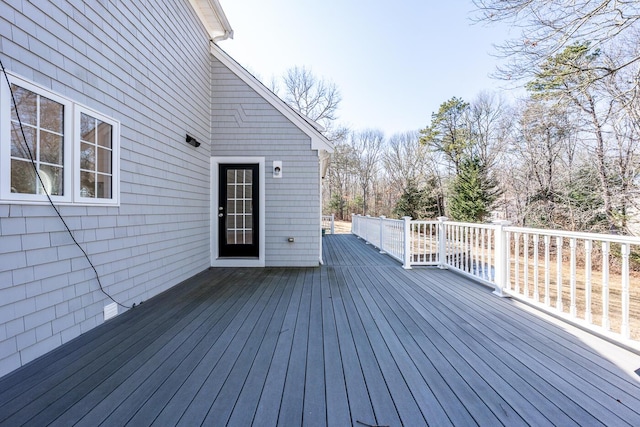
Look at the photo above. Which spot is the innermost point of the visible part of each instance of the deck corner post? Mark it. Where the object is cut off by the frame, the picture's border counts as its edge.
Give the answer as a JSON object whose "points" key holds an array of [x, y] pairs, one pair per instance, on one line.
{"points": [[501, 262], [406, 256], [442, 242], [382, 245], [333, 221]]}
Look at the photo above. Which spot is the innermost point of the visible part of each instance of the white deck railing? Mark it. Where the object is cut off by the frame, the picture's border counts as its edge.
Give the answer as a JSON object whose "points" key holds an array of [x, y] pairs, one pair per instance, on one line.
{"points": [[328, 224], [584, 277]]}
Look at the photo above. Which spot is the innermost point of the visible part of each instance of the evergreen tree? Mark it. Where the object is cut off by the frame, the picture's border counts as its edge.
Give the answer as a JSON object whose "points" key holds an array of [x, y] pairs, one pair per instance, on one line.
{"points": [[473, 192], [418, 203]]}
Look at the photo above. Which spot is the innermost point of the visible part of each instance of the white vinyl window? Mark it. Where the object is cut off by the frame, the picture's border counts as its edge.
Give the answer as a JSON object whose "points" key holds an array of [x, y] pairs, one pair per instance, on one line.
{"points": [[51, 145], [97, 161]]}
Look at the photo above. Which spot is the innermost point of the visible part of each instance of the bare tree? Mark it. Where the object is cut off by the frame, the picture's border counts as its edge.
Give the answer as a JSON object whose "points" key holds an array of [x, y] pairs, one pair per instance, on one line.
{"points": [[340, 177], [405, 160], [542, 153], [316, 98], [490, 126], [368, 146], [548, 27], [556, 80]]}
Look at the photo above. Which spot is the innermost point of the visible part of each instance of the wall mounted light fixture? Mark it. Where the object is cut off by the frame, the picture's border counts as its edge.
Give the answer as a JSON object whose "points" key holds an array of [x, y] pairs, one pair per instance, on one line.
{"points": [[191, 140], [277, 169]]}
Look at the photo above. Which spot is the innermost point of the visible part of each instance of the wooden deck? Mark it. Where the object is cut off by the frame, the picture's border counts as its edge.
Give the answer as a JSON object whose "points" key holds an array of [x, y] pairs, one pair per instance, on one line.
{"points": [[359, 341]]}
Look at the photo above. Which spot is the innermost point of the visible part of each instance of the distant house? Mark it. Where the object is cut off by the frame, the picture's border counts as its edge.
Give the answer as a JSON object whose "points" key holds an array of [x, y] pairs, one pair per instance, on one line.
{"points": [[163, 156]]}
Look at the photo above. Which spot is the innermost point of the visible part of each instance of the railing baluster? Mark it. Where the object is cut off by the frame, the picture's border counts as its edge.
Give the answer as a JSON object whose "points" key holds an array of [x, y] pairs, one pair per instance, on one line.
{"points": [[572, 278], [559, 274], [516, 262], [491, 255], [624, 329], [525, 251], [420, 255], [485, 260], [547, 272], [605, 286], [507, 249], [587, 280], [476, 256], [536, 268], [467, 249]]}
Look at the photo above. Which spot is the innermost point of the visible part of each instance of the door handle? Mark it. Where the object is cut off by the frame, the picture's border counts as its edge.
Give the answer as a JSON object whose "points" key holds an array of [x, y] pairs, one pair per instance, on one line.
{"points": [[220, 215]]}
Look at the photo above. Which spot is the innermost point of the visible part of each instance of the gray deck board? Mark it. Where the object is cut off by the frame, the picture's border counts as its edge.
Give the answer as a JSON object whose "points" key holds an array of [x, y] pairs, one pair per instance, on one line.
{"points": [[358, 341]]}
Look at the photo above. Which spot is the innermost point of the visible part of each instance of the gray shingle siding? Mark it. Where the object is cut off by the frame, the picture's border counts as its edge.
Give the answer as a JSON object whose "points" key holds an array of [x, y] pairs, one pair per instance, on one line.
{"points": [[146, 64], [245, 124]]}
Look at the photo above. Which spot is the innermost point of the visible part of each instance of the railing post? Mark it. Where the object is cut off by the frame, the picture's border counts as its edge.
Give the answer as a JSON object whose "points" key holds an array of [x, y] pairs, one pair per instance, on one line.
{"points": [[333, 228], [406, 256], [382, 227], [367, 229], [354, 225], [501, 260], [442, 242]]}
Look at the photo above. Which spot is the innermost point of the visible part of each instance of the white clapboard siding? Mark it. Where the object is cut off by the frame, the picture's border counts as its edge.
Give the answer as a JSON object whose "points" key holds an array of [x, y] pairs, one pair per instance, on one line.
{"points": [[245, 124]]}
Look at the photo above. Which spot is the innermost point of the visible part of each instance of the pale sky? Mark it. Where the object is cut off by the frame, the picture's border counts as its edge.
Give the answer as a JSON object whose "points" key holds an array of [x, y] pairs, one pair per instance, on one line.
{"points": [[393, 62]]}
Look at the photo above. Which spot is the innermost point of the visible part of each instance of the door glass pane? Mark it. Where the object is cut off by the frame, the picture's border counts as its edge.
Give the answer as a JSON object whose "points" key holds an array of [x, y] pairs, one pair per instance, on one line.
{"points": [[238, 207]]}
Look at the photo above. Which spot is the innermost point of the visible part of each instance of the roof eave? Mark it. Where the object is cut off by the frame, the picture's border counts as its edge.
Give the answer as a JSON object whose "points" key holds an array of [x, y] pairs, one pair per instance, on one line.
{"points": [[214, 19]]}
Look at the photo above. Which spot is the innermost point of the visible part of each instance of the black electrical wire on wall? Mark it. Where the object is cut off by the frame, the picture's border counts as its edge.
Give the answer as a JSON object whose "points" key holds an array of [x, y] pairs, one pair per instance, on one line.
{"points": [[55, 208]]}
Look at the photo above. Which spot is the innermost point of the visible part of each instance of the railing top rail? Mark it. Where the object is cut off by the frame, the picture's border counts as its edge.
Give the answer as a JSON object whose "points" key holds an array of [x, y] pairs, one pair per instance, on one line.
{"points": [[471, 224], [377, 218], [428, 222], [613, 238]]}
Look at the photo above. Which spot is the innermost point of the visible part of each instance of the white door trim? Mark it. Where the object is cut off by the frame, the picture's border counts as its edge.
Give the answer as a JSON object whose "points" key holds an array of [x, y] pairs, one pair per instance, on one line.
{"points": [[216, 261]]}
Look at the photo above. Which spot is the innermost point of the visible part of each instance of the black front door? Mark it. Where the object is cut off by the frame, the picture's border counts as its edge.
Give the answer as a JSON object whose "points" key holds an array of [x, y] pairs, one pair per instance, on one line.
{"points": [[238, 210]]}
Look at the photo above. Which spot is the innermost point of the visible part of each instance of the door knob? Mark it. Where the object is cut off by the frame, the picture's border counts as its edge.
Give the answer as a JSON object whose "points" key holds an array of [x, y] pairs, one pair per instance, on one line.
{"points": [[220, 215]]}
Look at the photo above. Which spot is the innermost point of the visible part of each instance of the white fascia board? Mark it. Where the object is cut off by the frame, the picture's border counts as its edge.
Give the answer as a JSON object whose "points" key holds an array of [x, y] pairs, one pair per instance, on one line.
{"points": [[318, 140], [214, 19]]}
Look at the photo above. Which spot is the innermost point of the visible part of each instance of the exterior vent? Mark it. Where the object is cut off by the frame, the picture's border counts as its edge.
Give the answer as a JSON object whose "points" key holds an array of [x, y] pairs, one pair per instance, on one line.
{"points": [[110, 311]]}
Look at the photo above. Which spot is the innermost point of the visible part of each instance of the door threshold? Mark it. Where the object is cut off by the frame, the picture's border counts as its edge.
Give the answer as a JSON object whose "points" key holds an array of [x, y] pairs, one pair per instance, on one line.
{"points": [[238, 262]]}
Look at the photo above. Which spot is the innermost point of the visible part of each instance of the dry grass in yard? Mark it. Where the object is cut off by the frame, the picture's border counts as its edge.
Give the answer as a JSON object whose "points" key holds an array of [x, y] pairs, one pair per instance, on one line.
{"points": [[342, 227]]}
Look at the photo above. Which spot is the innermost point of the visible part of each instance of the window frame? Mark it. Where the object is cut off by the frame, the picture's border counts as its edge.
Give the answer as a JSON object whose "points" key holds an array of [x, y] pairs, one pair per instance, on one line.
{"points": [[115, 157], [71, 149]]}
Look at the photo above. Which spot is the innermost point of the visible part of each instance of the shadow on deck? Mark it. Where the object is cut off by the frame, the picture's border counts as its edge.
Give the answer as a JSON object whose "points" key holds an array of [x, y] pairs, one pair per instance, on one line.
{"points": [[358, 341]]}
